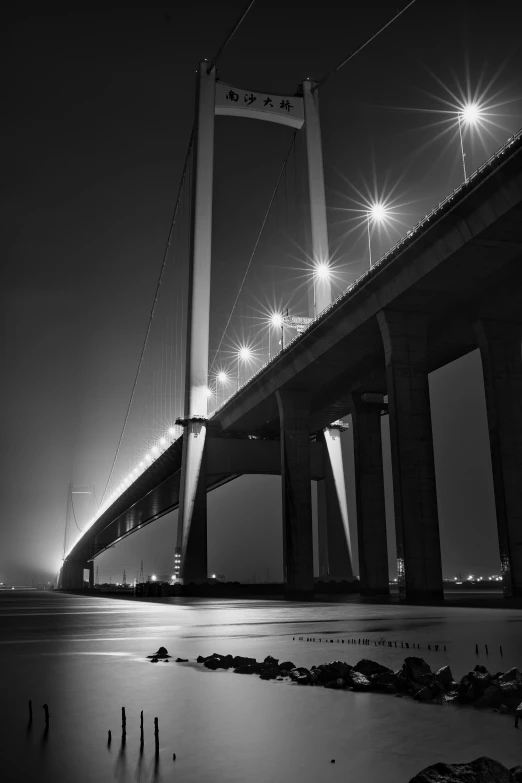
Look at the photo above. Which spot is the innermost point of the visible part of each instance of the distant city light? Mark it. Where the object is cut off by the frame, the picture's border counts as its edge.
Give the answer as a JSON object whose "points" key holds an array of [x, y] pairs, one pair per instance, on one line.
{"points": [[276, 319], [244, 353], [154, 449], [154, 577], [172, 431], [163, 441]]}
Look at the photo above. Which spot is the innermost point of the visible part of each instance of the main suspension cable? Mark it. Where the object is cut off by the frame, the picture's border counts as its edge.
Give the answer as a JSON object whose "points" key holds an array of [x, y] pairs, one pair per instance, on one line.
{"points": [[230, 35], [162, 269], [352, 55], [255, 248]]}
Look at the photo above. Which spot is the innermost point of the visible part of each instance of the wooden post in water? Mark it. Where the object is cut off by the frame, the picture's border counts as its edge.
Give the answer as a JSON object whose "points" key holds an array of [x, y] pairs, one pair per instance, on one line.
{"points": [[30, 711], [46, 711], [123, 724], [156, 734], [141, 727]]}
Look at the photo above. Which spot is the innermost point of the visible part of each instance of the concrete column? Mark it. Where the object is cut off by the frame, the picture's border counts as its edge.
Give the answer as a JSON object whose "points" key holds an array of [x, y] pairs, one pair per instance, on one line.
{"points": [[319, 226], [419, 566], [192, 536], [322, 529], [198, 314], [500, 349], [333, 511], [72, 574], [369, 497], [91, 574], [297, 494]]}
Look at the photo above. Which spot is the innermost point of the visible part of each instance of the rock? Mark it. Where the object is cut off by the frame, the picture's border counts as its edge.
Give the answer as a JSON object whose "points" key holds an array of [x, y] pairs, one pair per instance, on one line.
{"points": [[299, 671], [203, 658], [332, 670], [240, 660], [302, 679], [503, 709], [161, 653], [518, 710], [511, 675], [510, 693], [331, 684], [181, 660], [153, 659], [369, 668], [401, 683], [246, 669], [212, 663], [492, 697], [413, 663], [450, 698], [517, 773], [480, 668], [481, 770], [218, 662], [287, 665], [261, 667], [444, 676], [424, 694], [270, 674], [358, 681], [392, 689], [380, 682], [272, 661]]}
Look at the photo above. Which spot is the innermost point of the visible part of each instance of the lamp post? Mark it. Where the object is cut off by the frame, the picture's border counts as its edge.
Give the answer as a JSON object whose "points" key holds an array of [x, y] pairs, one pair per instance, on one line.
{"points": [[244, 354], [322, 293], [277, 320], [470, 114], [222, 378], [376, 214]]}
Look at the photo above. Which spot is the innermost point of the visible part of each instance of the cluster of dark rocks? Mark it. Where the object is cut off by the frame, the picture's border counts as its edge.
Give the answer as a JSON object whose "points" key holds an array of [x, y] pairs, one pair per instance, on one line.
{"points": [[501, 692], [481, 770]]}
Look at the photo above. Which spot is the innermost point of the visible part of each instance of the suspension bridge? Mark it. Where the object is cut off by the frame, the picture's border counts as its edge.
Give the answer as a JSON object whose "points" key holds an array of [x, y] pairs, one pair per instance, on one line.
{"points": [[270, 395]]}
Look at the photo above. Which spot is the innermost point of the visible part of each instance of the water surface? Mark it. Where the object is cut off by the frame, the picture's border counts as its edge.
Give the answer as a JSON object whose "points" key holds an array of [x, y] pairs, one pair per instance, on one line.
{"points": [[86, 658]]}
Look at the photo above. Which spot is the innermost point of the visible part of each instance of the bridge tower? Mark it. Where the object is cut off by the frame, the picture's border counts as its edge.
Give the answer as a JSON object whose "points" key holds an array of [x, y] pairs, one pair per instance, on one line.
{"points": [[190, 560]]}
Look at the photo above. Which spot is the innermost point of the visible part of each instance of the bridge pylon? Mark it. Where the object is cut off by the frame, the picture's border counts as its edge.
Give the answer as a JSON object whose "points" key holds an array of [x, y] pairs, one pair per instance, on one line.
{"points": [[190, 559]]}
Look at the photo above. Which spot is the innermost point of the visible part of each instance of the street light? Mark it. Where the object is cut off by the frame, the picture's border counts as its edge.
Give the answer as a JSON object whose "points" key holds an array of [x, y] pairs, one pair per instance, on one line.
{"points": [[470, 114], [244, 354], [377, 213], [277, 320]]}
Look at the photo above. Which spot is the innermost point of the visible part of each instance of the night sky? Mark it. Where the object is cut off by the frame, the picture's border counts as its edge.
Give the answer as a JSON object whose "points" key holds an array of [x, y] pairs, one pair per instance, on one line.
{"points": [[98, 117]]}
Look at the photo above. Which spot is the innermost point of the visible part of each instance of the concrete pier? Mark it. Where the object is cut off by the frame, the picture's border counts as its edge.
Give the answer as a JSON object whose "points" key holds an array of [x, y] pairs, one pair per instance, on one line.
{"points": [[369, 497], [297, 494], [335, 562], [419, 567], [500, 350]]}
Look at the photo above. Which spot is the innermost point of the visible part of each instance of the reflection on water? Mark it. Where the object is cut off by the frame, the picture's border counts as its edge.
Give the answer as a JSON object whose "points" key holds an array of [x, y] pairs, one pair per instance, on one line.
{"points": [[86, 658]]}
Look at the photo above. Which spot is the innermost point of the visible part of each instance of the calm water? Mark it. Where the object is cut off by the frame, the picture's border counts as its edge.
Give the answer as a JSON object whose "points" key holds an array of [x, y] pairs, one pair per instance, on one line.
{"points": [[85, 657]]}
